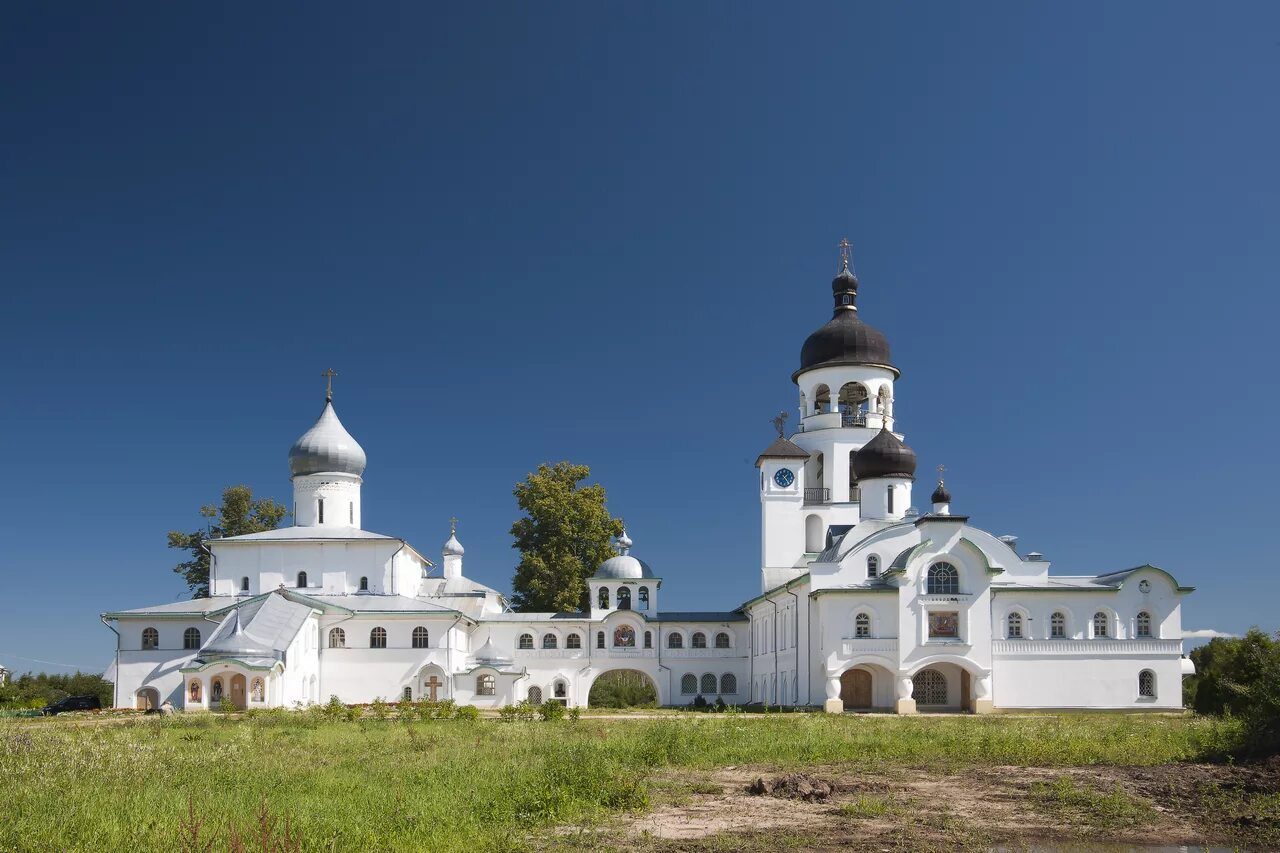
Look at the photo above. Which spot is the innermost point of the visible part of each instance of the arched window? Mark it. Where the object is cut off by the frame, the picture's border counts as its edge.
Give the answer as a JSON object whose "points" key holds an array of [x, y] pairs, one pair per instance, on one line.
{"points": [[873, 566], [337, 638], [1144, 624], [150, 638], [722, 640], [255, 690], [675, 640], [550, 641], [420, 637], [244, 584], [1015, 626], [302, 580], [1147, 684], [191, 638], [486, 685], [821, 399], [535, 695], [642, 597], [573, 641], [814, 534], [929, 688], [599, 639], [708, 685], [1057, 626], [699, 640], [944, 579], [728, 684], [1100, 624], [853, 404], [604, 598], [862, 626], [688, 684], [648, 639], [364, 584], [624, 598], [378, 638], [526, 641]]}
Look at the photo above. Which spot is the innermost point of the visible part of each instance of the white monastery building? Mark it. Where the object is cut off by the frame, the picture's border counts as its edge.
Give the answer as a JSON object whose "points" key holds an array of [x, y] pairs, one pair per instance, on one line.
{"points": [[865, 603]]}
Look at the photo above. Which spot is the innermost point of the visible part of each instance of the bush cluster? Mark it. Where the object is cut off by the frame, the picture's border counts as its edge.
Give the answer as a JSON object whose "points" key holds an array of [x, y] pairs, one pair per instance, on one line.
{"points": [[405, 710], [1240, 677], [549, 711]]}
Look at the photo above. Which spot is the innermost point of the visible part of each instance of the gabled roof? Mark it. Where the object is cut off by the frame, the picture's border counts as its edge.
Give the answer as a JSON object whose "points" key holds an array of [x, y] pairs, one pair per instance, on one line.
{"points": [[260, 628], [190, 607], [319, 531], [782, 448]]}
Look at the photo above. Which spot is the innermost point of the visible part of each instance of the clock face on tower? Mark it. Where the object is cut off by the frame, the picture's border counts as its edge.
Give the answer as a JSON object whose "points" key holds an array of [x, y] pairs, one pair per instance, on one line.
{"points": [[784, 478]]}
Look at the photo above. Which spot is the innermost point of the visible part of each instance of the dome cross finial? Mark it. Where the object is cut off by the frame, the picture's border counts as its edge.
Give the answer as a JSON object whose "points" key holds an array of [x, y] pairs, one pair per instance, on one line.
{"points": [[328, 377], [453, 525], [846, 255], [779, 423]]}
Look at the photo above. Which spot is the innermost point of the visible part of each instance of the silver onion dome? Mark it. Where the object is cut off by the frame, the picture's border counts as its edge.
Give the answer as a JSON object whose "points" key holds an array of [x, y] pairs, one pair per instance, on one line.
{"points": [[624, 566], [326, 448]]}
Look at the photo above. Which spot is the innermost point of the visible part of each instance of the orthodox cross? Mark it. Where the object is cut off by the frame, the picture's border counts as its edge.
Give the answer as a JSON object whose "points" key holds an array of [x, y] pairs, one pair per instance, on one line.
{"points": [[845, 252], [328, 376], [941, 470], [433, 684], [453, 526], [778, 422]]}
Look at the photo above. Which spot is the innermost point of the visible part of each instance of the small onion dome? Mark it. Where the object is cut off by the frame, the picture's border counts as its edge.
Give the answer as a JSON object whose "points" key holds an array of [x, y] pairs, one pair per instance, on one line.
{"points": [[845, 339], [941, 495], [884, 456], [326, 448], [453, 548], [624, 566]]}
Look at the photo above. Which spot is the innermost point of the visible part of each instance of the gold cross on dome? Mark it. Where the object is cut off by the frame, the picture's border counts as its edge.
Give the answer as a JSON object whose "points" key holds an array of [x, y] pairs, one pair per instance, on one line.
{"points": [[941, 469], [328, 376], [845, 252]]}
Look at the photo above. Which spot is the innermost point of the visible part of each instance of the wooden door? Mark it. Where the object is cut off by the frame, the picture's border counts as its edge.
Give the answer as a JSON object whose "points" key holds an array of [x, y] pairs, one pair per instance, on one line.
{"points": [[855, 688], [966, 691], [237, 691]]}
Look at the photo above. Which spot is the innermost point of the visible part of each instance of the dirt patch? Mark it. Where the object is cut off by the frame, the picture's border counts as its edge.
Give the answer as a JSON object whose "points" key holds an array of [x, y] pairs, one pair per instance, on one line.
{"points": [[834, 808], [793, 786]]}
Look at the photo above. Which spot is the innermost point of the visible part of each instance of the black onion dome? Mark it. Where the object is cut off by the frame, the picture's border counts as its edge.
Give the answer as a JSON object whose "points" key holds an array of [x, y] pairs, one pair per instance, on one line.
{"points": [[940, 494], [884, 456], [845, 339]]}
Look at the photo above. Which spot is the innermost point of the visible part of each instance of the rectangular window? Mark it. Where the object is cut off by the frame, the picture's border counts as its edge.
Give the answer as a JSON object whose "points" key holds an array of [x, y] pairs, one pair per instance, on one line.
{"points": [[351, 513], [890, 500], [944, 625], [320, 510]]}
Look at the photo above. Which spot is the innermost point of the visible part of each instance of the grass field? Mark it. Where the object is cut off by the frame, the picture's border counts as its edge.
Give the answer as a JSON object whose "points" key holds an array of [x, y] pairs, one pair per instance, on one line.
{"points": [[484, 784]]}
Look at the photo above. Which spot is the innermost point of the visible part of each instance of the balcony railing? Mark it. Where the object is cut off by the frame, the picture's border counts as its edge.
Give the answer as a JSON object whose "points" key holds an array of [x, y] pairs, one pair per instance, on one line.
{"points": [[817, 495], [853, 419]]}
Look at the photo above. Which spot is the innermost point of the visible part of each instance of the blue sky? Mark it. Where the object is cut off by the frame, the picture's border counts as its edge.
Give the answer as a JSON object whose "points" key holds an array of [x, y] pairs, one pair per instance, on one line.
{"points": [[600, 232]]}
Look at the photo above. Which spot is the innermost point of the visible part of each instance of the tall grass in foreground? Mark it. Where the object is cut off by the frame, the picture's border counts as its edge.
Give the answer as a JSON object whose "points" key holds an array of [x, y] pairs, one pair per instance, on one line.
{"points": [[381, 785]]}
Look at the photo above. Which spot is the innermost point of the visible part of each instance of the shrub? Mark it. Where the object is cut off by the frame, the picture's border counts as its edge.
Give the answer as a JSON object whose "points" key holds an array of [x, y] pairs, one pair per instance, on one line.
{"points": [[551, 711], [379, 708], [468, 713], [1241, 677], [699, 702], [333, 709], [404, 709], [575, 714]]}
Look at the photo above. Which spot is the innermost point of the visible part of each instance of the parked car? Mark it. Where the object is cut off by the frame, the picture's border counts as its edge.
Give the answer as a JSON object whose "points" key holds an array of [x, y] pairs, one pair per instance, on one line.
{"points": [[73, 703]]}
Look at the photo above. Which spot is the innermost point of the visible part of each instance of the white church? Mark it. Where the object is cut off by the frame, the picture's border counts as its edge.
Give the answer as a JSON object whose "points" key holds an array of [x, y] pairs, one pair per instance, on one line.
{"points": [[865, 602]]}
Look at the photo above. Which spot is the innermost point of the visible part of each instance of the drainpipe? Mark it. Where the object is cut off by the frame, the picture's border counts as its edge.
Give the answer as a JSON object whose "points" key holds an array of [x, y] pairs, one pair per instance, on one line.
{"points": [[775, 647], [808, 645], [448, 650], [795, 686], [115, 685], [751, 655], [213, 565]]}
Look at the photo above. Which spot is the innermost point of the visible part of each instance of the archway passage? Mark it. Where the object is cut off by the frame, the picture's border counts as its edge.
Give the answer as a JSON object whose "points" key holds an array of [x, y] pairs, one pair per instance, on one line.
{"points": [[855, 689], [623, 688], [148, 698]]}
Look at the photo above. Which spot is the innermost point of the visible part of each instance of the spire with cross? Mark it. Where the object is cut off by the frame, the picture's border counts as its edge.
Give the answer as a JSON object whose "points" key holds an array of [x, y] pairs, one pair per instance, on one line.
{"points": [[846, 255], [453, 526], [328, 377], [779, 422]]}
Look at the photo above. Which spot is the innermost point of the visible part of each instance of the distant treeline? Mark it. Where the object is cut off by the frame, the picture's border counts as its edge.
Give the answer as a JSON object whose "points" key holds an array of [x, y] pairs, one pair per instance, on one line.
{"points": [[35, 690]]}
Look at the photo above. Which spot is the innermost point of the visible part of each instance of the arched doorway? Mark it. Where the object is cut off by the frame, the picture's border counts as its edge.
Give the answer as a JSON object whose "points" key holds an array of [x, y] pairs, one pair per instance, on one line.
{"points": [[147, 699], [855, 689], [623, 688], [238, 691]]}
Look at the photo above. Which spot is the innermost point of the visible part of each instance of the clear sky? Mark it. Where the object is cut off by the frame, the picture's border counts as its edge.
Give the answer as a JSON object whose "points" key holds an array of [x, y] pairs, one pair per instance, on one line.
{"points": [[601, 232]]}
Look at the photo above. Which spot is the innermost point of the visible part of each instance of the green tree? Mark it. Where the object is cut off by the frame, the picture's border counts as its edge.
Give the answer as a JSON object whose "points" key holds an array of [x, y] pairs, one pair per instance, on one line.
{"points": [[1241, 676], [238, 514], [40, 689], [563, 538]]}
